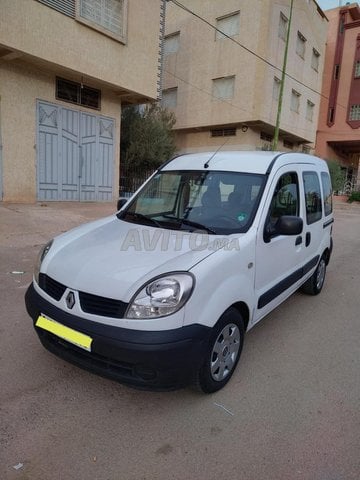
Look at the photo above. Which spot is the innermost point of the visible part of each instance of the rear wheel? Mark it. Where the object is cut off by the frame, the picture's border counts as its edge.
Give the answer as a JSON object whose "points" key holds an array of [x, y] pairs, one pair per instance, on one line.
{"points": [[314, 284], [223, 352]]}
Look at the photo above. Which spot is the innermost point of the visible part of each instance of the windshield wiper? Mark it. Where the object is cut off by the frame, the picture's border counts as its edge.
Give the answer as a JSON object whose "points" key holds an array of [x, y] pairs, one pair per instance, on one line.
{"points": [[141, 216], [200, 226], [185, 221]]}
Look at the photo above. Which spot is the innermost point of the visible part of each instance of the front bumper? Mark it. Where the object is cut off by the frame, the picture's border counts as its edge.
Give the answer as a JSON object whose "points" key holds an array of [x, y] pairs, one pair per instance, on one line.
{"points": [[156, 360]]}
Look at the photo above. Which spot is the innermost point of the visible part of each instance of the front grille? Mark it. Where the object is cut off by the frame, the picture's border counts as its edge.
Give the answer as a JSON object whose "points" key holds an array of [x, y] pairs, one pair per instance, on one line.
{"points": [[51, 287], [106, 307]]}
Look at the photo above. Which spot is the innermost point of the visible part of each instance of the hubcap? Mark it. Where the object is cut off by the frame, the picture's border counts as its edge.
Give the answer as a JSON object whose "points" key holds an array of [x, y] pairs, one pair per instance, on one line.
{"points": [[320, 275], [225, 352]]}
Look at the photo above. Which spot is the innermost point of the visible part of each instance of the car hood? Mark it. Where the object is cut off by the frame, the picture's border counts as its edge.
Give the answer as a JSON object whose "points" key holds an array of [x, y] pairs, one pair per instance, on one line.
{"points": [[114, 258]]}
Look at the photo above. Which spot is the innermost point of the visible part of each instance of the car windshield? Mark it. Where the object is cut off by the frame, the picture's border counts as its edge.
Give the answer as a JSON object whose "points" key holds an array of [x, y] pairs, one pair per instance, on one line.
{"points": [[216, 202]]}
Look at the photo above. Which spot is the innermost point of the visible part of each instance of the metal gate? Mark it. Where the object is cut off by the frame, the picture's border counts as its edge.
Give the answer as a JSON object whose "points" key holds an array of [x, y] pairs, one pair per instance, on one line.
{"points": [[75, 154]]}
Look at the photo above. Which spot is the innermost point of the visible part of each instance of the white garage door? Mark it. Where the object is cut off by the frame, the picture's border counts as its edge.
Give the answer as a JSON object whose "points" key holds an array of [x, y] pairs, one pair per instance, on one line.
{"points": [[75, 154]]}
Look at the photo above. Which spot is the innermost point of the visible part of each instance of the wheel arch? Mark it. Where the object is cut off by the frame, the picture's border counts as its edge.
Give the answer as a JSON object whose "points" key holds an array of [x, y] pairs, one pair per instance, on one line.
{"points": [[326, 254], [244, 311]]}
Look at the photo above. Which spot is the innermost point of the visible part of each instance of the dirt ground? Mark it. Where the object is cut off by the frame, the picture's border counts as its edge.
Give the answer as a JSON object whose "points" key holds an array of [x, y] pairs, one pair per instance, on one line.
{"points": [[291, 410]]}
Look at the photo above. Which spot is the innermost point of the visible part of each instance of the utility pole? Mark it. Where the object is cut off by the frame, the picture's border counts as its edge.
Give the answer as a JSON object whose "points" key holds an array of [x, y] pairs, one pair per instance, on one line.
{"points": [[283, 75]]}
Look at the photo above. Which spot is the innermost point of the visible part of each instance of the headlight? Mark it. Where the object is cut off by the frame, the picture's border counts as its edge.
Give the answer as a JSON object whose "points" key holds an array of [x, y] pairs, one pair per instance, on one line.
{"points": [[41, 255], [162, 296]]}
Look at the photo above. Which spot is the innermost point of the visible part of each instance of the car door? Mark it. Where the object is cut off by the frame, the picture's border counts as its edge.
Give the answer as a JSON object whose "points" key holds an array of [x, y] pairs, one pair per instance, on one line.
{"points": [[279, 258], [313, 232]]}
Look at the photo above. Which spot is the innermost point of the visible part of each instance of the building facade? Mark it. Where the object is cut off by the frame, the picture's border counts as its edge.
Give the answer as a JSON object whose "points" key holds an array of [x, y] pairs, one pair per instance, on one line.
{"points": [[66, 67], [338, 136], [225, 88]]}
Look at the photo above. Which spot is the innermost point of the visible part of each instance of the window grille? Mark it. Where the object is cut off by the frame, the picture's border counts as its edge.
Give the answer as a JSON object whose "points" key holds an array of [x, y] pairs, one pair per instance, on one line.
{"points": [[354, 113], [78, 93], [223, 132], [107, 16]]}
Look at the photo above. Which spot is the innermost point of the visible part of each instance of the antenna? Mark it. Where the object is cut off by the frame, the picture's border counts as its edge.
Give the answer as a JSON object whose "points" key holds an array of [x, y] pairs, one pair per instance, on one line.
{"points": [[206, 164]]}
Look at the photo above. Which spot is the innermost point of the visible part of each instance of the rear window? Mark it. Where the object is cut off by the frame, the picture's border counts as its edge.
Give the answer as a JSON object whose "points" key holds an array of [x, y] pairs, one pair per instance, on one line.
{"points": [[312, 197], [327, 190]]}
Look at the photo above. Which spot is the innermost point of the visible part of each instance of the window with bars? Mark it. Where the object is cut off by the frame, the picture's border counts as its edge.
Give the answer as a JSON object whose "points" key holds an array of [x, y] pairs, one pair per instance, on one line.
{"points": [[283, 25], [171, 43], [295, 101], [315, 60], [169, 98], [300, 45], [78, 93], [354, 113], [357, 69], [266, 136], [310, 110], [276, 88], [230, 25], [107, 16], [223, 88], [223, 132]]}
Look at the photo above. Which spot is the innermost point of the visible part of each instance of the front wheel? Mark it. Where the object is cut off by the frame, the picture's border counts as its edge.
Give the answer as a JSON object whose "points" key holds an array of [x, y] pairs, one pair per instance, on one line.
{"points": [[223, 352], [314, 284]]}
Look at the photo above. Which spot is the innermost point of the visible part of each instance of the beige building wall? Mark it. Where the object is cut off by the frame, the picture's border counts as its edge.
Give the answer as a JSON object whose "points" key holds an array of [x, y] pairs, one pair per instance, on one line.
{"points": [[38, 44], [30, 28], [200, 59], [20, 88]]}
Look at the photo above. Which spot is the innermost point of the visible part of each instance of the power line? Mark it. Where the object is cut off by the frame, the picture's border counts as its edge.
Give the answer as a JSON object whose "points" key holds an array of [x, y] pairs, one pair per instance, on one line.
{"points": [[267, 62]]}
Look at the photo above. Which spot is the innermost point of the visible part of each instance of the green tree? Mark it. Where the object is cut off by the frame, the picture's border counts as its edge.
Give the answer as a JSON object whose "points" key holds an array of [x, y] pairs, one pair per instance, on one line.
{"points": [[337, 175], [147, 139]]}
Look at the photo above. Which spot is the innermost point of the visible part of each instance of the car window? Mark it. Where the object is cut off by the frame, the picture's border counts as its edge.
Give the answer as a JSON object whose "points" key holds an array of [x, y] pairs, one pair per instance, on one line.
{"points": [[327, 190], [221, 202], [312, 197], [285, 200]]}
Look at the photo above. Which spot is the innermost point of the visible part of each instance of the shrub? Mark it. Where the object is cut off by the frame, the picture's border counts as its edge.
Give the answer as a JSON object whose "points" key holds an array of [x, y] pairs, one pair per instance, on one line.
{"points": [[337, 175], [354, 197]]}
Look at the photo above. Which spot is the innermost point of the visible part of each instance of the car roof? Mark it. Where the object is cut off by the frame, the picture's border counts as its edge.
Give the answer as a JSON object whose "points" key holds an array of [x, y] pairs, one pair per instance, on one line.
{"points": [[237, 161]]}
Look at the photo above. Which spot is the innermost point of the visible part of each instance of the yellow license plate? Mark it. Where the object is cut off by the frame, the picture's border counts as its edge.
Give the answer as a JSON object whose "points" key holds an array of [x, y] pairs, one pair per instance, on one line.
{"points": [[76, 338]]}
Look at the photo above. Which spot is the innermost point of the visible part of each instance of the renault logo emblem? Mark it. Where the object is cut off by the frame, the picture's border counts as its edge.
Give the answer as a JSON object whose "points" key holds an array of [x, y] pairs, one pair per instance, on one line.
{"points": [[70, 300]]}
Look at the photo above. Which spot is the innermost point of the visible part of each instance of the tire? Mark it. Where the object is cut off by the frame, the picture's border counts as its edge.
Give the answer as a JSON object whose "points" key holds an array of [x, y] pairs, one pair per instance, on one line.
{"points": [[223, 352], [315, 283]]}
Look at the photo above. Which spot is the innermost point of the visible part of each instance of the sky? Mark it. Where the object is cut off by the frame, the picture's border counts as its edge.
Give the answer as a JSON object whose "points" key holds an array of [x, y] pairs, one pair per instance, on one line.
{"points": [[327, 4]]}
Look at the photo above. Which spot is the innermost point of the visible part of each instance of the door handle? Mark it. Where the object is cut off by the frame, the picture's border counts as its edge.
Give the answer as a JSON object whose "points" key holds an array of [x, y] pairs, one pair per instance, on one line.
{"points": [[298, 240], [307, 239]]}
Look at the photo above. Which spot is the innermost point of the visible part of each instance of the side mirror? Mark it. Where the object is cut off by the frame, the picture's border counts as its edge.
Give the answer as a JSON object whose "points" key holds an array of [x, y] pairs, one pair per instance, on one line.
{"points": [[121, 202], [285, 225]]}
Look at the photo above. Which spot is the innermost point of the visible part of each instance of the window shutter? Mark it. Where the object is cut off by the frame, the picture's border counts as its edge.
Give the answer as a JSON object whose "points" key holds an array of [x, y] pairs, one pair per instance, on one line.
{"points": [[229, 25], [171, 43], [223, 87], [105, 13], [67, 7], [169, 98]]}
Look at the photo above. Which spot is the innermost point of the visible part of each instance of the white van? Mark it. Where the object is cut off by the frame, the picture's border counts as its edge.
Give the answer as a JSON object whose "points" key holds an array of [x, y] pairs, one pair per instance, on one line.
{"points": [[162, 293]]}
